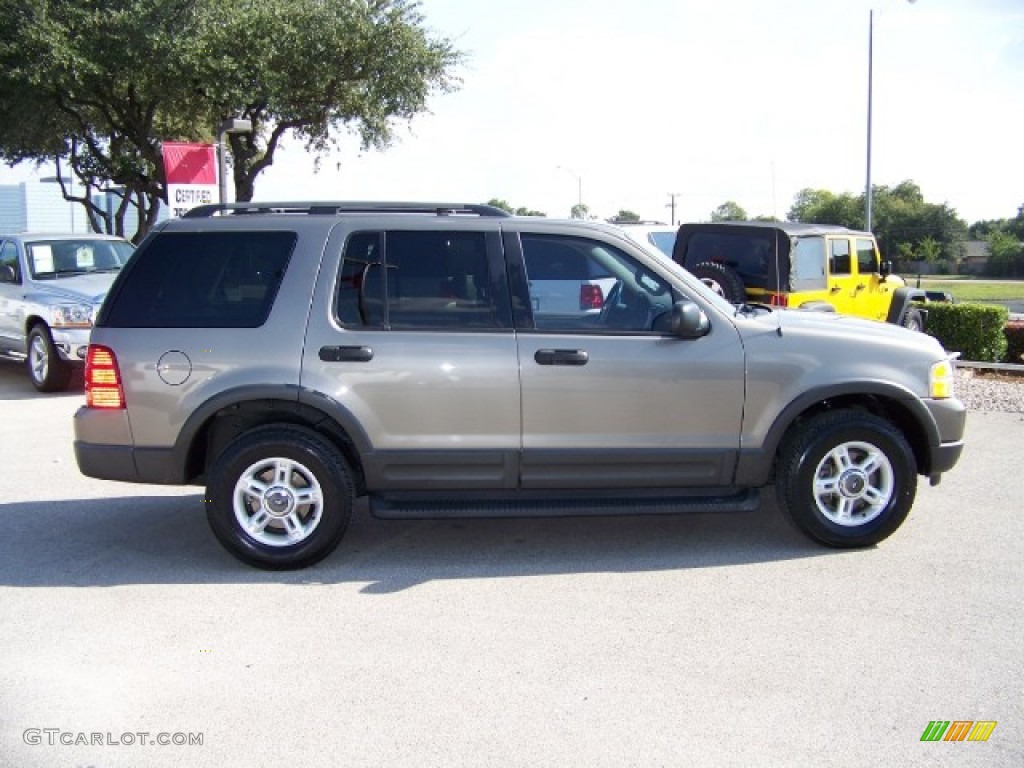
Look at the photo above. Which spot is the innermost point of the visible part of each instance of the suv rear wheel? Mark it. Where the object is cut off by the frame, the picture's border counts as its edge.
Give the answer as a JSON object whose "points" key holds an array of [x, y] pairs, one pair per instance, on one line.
{"points": [[846, 478], [280, 497], [722, 279]]}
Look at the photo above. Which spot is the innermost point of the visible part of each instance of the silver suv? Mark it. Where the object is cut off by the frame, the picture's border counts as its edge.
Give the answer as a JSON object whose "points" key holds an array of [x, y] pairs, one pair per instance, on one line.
{"points": [[50, 288], [294, 357]]}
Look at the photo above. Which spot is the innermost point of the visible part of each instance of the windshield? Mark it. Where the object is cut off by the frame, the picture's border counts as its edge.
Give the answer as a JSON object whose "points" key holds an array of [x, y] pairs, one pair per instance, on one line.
{"points": [[56, 258]]}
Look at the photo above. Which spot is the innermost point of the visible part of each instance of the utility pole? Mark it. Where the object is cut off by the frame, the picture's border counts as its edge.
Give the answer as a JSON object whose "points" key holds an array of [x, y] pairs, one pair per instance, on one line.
{"points": [[672, 204]]}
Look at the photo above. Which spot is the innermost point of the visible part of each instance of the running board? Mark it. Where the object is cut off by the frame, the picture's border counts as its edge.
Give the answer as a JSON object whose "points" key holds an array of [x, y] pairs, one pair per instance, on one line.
{"points": [[441, 505]]}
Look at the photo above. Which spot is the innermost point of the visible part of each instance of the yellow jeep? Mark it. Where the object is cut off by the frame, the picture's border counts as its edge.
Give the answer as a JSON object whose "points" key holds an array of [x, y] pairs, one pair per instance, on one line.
{"points": [[809, 266]]}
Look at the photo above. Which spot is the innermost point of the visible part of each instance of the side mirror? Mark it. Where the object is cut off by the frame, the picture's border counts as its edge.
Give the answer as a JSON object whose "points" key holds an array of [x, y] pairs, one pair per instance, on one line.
{"points": [[886, 269], [689, 320]]}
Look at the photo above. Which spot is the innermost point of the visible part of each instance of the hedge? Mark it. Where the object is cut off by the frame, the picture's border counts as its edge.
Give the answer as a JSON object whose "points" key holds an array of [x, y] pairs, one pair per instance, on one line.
{"points": [[1014, 332], [973, 330]]}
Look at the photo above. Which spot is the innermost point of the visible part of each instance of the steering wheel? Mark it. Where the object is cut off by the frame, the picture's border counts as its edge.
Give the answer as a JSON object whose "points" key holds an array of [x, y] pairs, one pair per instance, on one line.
{"points": [[610, 301]]}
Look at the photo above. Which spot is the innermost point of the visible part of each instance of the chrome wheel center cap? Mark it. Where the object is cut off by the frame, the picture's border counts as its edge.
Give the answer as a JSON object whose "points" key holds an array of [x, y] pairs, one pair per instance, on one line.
{"points": [[852, 484], [279, 502]]}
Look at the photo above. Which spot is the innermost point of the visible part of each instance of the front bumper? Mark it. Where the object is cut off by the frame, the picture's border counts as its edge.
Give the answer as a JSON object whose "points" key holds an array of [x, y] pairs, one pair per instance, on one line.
{"points": [[71, 343], [950, 418]]}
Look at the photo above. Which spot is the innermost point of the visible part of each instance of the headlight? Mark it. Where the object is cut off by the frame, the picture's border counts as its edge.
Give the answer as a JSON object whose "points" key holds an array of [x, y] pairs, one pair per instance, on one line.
{"points": [[71, 316], [940, 380]]}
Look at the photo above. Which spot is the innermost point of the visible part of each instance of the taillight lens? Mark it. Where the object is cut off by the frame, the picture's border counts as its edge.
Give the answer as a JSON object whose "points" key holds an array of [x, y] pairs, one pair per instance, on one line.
{"points": [[102, 379], [591, 297], [779, 300]]}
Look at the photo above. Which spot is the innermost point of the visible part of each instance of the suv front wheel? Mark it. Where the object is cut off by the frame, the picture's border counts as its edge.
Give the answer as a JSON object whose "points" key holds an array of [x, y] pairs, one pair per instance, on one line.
{"points": [[49, 373], [846, 478], [279, 497]]}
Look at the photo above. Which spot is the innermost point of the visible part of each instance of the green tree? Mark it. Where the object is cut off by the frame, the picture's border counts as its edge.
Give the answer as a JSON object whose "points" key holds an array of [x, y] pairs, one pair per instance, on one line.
{"points": [[520, 211], [580, 211], [1006, 255], [97, 86], [819, 206], [625, 217], [729, 211]]}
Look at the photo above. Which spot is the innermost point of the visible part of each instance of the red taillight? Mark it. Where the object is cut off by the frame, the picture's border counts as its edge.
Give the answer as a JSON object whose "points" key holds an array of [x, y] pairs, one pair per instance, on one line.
{"points": [[102, 379], [591, 297], [778, 300]]}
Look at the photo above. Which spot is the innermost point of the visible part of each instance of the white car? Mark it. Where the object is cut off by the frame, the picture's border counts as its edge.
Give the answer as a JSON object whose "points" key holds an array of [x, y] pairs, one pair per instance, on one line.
{"points": [[51, 287], [660, 236]]}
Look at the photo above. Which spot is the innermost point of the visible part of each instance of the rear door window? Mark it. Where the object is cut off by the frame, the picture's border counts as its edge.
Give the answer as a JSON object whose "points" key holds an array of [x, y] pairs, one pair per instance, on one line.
{"points": [[408, 280]]}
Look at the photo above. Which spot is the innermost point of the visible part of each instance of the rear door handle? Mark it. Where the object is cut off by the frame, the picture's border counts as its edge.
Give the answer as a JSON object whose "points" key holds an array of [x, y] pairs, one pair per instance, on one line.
{"points": [[561, 357], [346, 354]]}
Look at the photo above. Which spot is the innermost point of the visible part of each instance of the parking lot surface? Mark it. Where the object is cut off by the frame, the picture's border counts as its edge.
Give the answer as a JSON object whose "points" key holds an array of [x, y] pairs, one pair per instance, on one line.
{"points": [[667, 641]]}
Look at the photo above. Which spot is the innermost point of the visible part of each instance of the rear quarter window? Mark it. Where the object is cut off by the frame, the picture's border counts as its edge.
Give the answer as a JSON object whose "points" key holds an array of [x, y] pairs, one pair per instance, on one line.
{"points": [[201, 280]]}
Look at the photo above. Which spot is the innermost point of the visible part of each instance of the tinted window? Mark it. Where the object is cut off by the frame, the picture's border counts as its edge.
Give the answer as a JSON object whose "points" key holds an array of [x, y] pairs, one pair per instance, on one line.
{"points": [[202, 280], [866, 263], [430, 280], [750, 254], [839, 257]]}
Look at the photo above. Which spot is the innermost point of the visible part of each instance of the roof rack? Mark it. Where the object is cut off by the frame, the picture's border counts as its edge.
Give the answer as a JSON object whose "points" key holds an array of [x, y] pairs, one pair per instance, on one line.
{"points": [[333, 208]]}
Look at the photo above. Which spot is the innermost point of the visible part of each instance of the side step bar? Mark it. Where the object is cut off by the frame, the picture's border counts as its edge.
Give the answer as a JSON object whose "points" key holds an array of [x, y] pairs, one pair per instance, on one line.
{"points": [[441, 505]]}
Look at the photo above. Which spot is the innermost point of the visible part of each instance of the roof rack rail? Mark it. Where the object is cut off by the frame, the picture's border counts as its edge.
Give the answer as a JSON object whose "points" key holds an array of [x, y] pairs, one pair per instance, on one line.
{"points": [[332, 208]]}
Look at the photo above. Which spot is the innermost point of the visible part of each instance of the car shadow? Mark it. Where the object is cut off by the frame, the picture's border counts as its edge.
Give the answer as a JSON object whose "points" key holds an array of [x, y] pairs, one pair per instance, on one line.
{"points": [[15, 384], [166, 540]]}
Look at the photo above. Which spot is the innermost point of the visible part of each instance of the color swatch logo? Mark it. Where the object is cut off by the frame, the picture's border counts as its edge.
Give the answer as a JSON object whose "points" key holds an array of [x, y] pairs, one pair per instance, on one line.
{"points": [[958, 730]]}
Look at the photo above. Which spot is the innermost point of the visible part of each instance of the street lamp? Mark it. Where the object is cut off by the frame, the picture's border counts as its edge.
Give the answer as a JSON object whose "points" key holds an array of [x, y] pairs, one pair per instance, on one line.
{"points": [[231, 125], [579, 185], [871, 42]]}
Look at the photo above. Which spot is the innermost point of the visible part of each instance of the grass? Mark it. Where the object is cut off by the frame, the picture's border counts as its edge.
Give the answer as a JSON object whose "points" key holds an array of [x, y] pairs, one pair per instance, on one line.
{"points": [[973, 290]]}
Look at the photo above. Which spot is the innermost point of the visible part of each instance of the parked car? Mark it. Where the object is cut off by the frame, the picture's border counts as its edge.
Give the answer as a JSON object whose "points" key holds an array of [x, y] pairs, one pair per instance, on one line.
{"points": [[568, 281], [656, 234], [50, 289], [809, 266], [294, 357]]}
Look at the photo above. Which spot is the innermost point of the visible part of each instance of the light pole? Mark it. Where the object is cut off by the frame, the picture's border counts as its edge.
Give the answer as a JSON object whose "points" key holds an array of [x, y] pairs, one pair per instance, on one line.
{"points": [[871, 45], [579, 186], [231, 125]]}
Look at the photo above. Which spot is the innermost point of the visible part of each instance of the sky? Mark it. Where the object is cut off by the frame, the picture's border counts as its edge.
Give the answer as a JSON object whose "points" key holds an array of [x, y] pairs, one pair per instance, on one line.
{"points": [[624, 104]]}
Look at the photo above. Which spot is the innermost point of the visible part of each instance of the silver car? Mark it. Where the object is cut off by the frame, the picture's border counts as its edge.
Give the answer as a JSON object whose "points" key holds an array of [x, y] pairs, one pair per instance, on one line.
{"points": [[294, 357], [51, 287]]}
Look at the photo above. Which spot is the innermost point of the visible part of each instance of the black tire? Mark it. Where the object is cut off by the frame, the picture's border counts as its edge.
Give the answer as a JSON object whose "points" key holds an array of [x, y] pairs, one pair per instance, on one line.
{"points": [[913, 319], [853, 507], [722, 279], [46, 369], [281, 465]]}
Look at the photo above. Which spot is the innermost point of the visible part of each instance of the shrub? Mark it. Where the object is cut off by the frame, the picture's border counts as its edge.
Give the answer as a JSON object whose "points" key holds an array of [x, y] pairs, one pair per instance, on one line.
{"points": [[1014, 332], [973, 330]]}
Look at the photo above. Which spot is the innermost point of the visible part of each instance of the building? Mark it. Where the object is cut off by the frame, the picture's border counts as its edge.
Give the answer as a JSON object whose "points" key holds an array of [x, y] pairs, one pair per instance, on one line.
{"points": [[39, 206]]}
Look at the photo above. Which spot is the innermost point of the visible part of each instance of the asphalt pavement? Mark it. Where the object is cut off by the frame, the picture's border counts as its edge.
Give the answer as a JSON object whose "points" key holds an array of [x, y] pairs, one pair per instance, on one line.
{"points": [[671, 641]]}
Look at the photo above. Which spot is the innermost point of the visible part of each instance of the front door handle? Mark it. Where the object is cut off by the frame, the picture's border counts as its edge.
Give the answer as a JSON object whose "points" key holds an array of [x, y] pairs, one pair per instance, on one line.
{"points": [[346, 354], [561, 357]]}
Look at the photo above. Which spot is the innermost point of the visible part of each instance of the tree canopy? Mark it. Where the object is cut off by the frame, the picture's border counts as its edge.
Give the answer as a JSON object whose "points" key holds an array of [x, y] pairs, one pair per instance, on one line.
{"points": [[905, 225], [520, 211], [729, 211], [98, 85]]}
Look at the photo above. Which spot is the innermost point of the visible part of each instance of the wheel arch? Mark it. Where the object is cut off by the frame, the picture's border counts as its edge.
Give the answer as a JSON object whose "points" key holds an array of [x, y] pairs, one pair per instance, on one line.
{"points": [[219, 421], [898, 406], [902, 299]]}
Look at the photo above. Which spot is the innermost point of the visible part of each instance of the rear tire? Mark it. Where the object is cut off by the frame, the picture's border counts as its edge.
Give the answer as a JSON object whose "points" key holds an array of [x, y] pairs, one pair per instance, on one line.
{"points": [[722, 279], [913, 320], [46, 369], [846, 478], [280, 497]]}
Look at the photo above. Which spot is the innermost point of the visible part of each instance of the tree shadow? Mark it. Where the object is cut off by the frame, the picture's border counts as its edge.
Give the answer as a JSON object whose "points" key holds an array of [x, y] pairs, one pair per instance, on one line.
{"points": [[166, 540]]}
